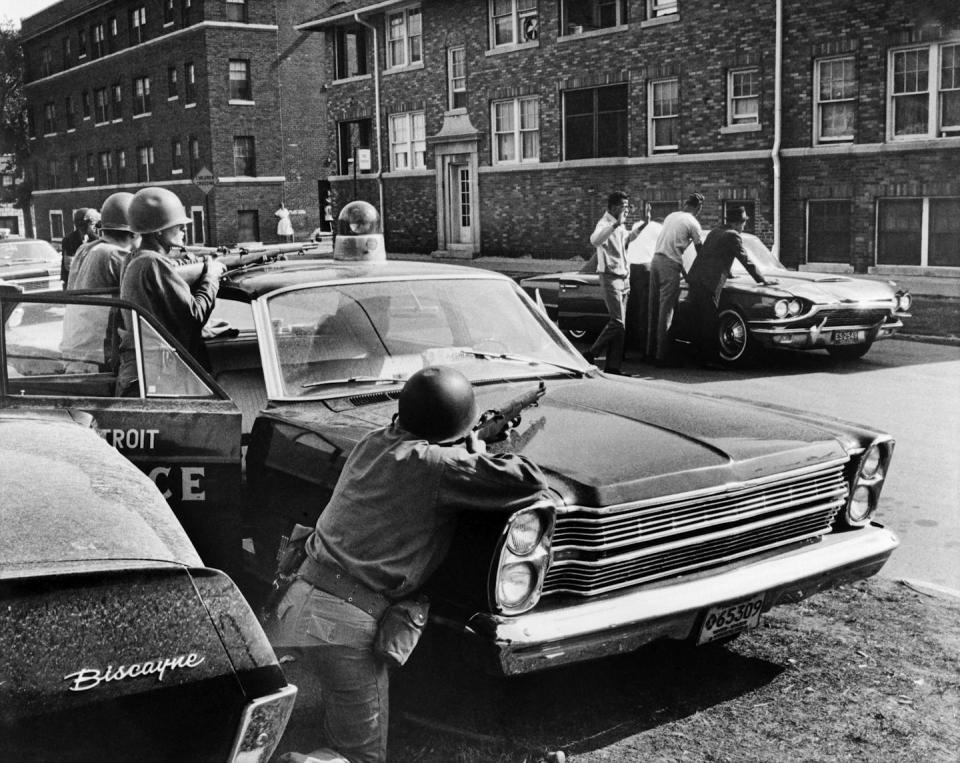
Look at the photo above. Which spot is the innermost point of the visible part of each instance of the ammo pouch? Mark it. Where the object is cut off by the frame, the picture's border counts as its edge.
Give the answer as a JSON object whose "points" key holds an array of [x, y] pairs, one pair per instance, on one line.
{"points": [[400, 629], [290, 556]]}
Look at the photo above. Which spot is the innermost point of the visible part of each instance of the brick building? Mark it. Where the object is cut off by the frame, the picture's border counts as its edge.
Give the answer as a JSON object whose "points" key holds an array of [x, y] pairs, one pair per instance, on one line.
{"points": [[128, 93], [498, 126]]}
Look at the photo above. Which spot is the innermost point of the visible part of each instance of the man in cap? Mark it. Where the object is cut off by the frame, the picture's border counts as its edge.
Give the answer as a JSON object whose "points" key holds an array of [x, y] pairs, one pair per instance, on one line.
{"points": [[89, 333], [680, 229], [151, 281], [84, 230], [386, 528]]}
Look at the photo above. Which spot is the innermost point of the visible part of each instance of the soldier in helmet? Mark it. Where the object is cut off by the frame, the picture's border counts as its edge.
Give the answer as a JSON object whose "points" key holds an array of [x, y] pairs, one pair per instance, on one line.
{"points": [[387, 527], [89, 334], [150, 280]]}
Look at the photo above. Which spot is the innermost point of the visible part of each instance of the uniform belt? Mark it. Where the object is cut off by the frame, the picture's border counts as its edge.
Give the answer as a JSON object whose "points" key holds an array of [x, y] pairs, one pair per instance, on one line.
{"points": [[333, 579]]}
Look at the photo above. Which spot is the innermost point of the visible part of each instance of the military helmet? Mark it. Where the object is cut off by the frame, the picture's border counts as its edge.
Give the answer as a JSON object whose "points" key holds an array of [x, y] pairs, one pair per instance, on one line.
{"points": [[155, 209], [115, 210], [437, 404]]}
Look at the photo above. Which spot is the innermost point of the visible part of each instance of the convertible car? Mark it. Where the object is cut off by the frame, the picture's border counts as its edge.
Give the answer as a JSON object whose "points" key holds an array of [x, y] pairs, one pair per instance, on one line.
{"points": [[672, 515], [802, 311], [118, 644]]}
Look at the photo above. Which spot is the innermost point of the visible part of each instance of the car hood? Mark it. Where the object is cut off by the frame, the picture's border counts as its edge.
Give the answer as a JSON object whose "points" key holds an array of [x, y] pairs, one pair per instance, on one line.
{"points": [[819, 288], [605, 441]]}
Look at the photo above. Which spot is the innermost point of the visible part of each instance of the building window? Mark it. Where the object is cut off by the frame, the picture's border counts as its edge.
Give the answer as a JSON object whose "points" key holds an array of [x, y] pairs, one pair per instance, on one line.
{"points": [[81, 43], [168, 8], [98, 35], [104, 167], [46, 62], [49, 118], [176, 155], [100, 103], [193, 148], [196, 229], [56, 224], [828, 231], [918, 232], [351, 52], [86, 103], [664, 110], [743, 104], [659, 8], [190, 82], [457, 77], [237, 10], [141, 95], [404, 38], [240, 80], [91, 167], [146, 169], [924, 100], [68, 110], [408, 141], [67, 52], [244, 156], [114, 33], [579, 16], [117, 93], [835, 88], [351, 136], [248, 225], [516, 130], [75, 177], [595, 122], [121, 165], [138, 25], [171, 82], [51, 181], [513, 22]]}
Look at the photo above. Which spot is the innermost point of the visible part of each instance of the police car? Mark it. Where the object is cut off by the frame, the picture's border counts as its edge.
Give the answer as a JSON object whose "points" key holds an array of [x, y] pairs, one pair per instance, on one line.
{"points": [[673, 516]]}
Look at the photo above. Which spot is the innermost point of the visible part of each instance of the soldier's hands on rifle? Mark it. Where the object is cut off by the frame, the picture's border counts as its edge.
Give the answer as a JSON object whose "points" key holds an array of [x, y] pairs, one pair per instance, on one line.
{"points": [[214, 266], [475, 444]]}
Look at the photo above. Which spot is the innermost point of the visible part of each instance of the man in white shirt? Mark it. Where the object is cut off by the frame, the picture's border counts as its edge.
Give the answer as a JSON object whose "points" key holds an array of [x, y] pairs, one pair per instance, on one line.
{"points": [[611, 239], [680, 229]]}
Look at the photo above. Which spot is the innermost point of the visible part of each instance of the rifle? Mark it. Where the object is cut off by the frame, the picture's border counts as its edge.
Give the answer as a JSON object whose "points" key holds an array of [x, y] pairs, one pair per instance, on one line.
{"points": [[237, 258], [493, 424]]}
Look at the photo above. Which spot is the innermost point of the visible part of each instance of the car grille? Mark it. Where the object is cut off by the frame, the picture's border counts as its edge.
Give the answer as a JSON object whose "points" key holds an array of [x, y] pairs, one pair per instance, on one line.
{"points": [[849, 316], [601, 550]]}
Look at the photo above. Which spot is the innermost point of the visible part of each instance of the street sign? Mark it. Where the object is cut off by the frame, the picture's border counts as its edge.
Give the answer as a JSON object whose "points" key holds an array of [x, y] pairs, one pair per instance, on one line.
{"points": [[204, 180], [363, 159]]}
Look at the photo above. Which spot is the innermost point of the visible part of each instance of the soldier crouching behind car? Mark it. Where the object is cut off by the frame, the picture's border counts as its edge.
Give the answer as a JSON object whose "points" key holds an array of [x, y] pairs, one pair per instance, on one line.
{"points": [[387, 527]]}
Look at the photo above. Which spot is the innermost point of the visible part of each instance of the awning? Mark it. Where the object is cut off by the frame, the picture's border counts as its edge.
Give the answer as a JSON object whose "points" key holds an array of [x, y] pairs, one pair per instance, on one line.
{"points": [[339, 12]]}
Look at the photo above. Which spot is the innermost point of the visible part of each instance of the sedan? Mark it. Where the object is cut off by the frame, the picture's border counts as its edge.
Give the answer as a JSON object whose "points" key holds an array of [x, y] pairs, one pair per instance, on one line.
{"points": [[30, 263], [802, 310], [118, 643]]}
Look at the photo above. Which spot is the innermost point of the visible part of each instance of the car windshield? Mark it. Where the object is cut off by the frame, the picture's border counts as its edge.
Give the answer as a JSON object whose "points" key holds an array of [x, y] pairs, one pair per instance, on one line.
{"points": [[12, 252], [765, 260], [352, 335]]}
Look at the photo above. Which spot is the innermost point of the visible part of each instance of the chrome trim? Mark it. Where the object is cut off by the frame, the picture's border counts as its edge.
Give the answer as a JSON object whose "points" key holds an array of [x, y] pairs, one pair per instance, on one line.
{"points": [[888, 306]]}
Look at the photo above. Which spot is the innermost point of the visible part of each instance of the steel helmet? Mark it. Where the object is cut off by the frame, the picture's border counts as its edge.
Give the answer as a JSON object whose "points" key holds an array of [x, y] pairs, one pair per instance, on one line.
{"points": [[437, 404], [115, 210], [155, 209]]}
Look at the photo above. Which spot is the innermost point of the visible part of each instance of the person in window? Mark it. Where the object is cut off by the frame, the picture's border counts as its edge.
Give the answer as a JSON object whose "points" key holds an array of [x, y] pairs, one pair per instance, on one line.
{"points": [[85, 223], [387, 527], [150, 280], [680, 229], [709, 273], [89, 331], [611, 239]]}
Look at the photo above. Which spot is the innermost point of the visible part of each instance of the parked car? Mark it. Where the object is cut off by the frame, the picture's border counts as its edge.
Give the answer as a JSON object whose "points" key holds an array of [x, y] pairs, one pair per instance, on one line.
{"points": [[116, 642], [30, 263], [673, 516], [805, 310]]}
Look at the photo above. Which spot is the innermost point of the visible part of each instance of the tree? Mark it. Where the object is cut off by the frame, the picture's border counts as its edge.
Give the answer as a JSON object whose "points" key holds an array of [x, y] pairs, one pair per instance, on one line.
{"points": [[13, 116]]}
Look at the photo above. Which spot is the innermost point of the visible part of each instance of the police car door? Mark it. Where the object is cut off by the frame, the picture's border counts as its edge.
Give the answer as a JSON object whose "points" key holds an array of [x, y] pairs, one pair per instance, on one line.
{"points": [[60, 351]]}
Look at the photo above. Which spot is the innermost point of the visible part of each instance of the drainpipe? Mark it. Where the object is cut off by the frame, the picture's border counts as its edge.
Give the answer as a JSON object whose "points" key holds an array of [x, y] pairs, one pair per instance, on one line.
{"points": [[777, 125], [376, 119]]}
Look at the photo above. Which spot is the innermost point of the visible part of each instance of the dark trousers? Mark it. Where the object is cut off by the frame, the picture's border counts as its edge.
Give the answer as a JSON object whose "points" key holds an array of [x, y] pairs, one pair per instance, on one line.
{"points": [[704, 318], [616, 292]]}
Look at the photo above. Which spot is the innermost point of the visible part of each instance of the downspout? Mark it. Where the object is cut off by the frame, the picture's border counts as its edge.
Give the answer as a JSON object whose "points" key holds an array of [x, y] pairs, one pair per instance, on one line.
{"points": [[376, 120], [283, 164], [777, 124]]}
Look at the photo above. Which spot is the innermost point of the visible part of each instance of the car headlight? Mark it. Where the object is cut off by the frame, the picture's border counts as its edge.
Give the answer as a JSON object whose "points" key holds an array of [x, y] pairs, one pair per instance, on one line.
{"points": [[904, 301], [523, 559], [795, 307], [781, 308], [870, 471]]}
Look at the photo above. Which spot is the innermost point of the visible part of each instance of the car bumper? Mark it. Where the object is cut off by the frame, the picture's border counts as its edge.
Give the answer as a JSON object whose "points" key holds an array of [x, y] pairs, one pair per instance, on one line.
{"points": [[621, 623], [812, 337]]}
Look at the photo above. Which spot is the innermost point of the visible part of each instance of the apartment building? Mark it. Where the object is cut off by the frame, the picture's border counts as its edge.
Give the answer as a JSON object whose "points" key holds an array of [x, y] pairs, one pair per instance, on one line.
{"points": [[128, 93], [499, 126]]}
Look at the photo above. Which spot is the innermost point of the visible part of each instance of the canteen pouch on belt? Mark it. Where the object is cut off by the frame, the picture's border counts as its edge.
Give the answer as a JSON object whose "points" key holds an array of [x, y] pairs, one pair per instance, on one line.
{"points": [[400, 629], [290, 556]]}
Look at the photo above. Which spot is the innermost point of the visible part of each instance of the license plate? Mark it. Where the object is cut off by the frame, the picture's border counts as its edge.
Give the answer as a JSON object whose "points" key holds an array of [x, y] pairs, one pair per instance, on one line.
{"points": [[728, 619], [846, 337]]}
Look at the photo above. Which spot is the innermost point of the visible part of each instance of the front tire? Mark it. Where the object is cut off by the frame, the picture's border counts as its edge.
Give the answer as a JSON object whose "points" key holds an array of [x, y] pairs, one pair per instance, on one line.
{"points": [[847, 352], [734, 344]]}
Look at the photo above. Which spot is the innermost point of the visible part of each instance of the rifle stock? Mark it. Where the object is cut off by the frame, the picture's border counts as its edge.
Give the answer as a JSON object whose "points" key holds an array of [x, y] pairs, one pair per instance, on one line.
{"points": [[494, 423], [237, 258]]}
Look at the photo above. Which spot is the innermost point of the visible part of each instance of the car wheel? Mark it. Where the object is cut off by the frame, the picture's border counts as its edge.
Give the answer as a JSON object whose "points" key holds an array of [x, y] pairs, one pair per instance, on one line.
{"points": [[849, 351], [734, 345]]}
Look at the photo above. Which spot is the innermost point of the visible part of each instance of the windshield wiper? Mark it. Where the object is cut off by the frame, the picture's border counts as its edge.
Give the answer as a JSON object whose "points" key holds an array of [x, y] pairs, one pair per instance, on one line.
{"points": [[522, 359], [355, 380]]}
